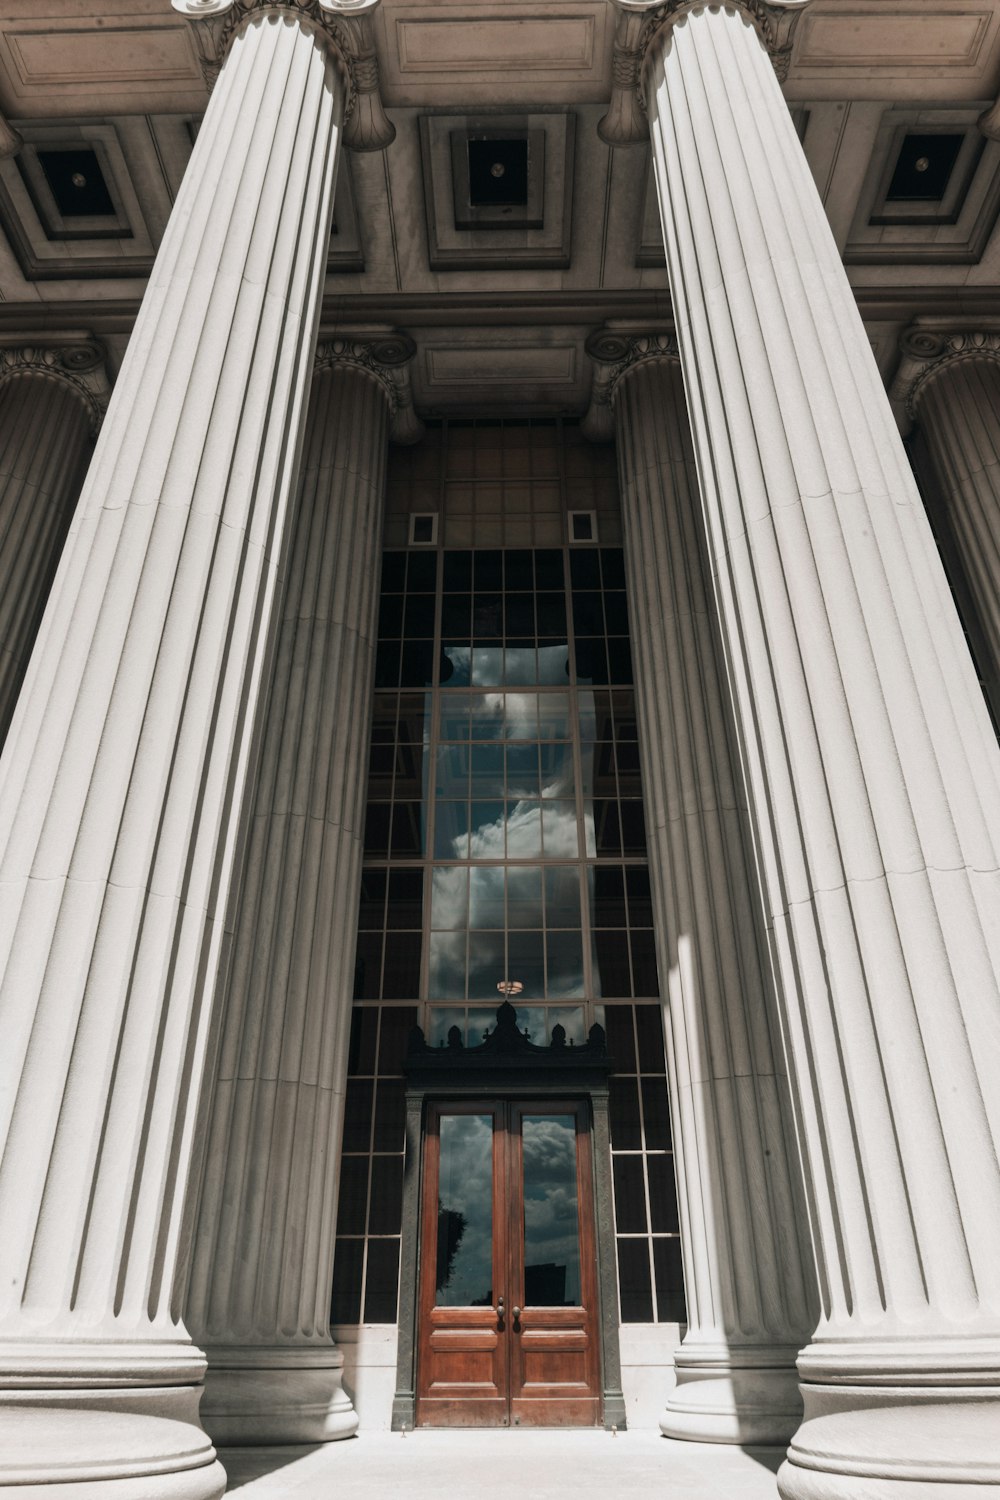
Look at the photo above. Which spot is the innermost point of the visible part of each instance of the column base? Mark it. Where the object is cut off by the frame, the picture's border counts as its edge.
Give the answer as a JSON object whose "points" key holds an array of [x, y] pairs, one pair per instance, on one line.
{"points": [[106, 1445], [895, 1443], [727, 1395], [272, 1394]]}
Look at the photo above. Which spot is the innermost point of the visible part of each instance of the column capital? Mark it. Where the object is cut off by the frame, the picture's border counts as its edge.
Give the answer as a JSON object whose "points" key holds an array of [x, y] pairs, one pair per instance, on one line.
{"points": [[929, 346], [76, 362], [347, 25], [615, 350], [383, 354], [640, 22]]}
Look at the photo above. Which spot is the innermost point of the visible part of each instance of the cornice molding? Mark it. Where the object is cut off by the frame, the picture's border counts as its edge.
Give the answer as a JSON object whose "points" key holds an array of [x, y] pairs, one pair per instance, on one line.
{"points": [[347, 25], [616, 351], [382, 355], [641, 23], [928, 348], [79, 364], [11, 140], [989, 121]]}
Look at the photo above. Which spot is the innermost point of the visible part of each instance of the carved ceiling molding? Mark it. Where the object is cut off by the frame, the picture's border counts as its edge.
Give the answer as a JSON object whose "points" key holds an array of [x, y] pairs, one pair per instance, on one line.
{"points": [[614, 352], [384, 356], [348, 26], [929, 348], [79, 364], [643, 22]]}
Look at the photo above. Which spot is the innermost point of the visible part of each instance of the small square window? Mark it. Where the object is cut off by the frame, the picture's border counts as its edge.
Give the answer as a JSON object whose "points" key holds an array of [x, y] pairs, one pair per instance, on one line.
{"points": [[583, 526], [424, 529]]}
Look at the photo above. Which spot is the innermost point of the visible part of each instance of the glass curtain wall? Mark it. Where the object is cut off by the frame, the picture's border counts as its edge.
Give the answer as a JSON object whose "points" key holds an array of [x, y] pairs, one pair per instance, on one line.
{"points": [[505, 851]]}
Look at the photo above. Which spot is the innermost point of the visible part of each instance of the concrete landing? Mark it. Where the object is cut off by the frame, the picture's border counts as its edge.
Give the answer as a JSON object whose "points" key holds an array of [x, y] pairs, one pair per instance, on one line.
{"points": [[484, 1465]]}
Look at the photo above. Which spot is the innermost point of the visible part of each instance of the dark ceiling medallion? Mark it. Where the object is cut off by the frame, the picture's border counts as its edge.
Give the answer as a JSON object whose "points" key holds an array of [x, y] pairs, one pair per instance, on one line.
{"points": [[507, 1048]]}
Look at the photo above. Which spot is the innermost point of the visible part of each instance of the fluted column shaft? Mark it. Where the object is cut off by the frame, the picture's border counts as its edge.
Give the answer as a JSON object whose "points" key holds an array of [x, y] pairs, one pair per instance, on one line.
{"points": [[260, 1292], [121, 784], [46, 440], [958, 408], [746, 1259], [873, 781]]}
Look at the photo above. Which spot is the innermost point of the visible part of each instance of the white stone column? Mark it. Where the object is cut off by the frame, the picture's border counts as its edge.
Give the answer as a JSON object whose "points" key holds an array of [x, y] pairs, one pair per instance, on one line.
{"points": [[747, 1273], [51, 404], [122, 780], [949, 383], [259, 1299], [873, 781]]}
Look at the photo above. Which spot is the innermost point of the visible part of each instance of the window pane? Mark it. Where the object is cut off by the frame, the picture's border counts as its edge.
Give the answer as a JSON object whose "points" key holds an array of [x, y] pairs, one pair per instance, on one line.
{"points": [[381, 1286], [401, 971], [446, 976], [486, 965], [361, 1052], [486, 830], [353, 1195], [562, 897], [526, 964], [662, 1194], [656, 1114], [450, 898], [486, 767], [524, 829], [649, 1027], [669, 1281], [626, 1132], [348, 1263], [390, 1115], [630, 1195], [394, 1035], [564, 954], [522, 770], [634, 1289], [551, 1216], [357, 1115], [486, 897], [406, 899], [451, 830], [451, 778], [621, 1040], [611, 954], [524, 896], [465, 1212], [386, 1208]]}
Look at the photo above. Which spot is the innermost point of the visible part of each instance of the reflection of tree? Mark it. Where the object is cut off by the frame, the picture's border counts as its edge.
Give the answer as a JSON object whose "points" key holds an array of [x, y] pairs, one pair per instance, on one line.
{"points": [[451, 1228]]}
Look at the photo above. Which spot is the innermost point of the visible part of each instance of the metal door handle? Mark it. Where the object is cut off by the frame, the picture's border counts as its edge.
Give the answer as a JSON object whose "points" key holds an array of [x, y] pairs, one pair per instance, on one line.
{"points": [[516, 1312], [499, 1308]]}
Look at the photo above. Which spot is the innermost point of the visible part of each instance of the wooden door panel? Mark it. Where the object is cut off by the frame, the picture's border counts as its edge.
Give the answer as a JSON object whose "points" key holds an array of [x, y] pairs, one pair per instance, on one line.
{"points": [[477, 1367], [555, 1363], [462, 1352]]}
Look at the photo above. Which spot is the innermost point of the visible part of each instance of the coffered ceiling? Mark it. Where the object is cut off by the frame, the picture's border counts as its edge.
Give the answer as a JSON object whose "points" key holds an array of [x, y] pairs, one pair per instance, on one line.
{"points": [[500, 308]]}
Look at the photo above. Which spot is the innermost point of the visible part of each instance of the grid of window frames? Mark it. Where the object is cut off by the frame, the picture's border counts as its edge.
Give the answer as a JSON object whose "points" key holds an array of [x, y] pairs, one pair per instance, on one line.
{"points": [[371, 1167], [504, 840], [651, 1282]]}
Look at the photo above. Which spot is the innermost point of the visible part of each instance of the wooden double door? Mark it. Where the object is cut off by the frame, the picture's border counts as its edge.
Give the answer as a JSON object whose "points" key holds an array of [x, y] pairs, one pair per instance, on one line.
{"points": [[508, 1321]]}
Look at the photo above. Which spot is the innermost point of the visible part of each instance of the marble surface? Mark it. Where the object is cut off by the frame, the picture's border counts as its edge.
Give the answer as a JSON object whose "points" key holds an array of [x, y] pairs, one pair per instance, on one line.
{"points": [[543, 1465]]}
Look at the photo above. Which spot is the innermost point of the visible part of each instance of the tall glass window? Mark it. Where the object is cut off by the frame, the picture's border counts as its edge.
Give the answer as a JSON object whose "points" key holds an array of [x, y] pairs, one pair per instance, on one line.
{"points": [[505, 851]]}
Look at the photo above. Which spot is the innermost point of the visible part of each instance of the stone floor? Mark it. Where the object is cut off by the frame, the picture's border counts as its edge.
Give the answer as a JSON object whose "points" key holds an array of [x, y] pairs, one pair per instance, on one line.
{"points": [[551, 1465]]}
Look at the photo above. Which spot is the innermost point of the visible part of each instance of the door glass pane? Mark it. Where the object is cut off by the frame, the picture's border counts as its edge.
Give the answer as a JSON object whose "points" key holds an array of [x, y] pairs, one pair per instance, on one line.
{"points": [[551, 1214], [465, 1212]]}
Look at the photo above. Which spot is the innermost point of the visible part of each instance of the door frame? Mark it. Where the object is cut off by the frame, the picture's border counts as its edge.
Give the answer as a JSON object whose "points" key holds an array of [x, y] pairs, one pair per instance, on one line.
{"points": [[508, 1066]]}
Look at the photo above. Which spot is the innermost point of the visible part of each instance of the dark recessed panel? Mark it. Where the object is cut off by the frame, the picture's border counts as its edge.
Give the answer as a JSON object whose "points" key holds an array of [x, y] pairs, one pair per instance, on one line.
{"points": [[77, 183], [923, 168], [498, 173]]}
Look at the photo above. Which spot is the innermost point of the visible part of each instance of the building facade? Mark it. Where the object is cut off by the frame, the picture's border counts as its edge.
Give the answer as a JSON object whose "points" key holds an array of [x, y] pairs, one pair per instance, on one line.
{"points": [[500, 794]]}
